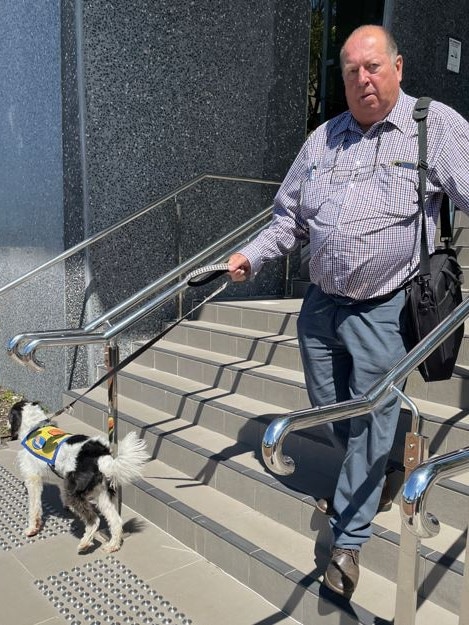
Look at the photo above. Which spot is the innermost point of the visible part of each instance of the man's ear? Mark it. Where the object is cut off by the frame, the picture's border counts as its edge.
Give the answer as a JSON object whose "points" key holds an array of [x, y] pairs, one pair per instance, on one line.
{"points": [[399, 64]]}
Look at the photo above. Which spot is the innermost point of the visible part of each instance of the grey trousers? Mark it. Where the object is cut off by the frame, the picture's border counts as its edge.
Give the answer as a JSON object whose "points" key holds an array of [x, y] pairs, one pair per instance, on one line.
{"points": [[345, 347]]}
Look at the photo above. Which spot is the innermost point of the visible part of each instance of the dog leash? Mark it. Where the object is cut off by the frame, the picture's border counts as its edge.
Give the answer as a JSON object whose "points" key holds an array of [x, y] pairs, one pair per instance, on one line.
{"points": [[198, 277]]}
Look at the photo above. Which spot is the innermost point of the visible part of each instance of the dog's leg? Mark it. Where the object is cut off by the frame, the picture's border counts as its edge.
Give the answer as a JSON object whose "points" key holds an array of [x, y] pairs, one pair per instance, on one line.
{"points": [[34, 488], [91, 520], [85, 511], [114, 521]]}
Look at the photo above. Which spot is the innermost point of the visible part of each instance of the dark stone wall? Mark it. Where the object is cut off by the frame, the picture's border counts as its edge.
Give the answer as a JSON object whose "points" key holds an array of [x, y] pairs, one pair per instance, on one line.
{"points": [[422, 30], [168, 91], [126, 101]]}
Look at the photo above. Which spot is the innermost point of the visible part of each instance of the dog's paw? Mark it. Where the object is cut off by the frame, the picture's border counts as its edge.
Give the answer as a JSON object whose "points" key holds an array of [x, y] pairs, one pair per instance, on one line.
{"points": [[111, 546], [32, 531], [85, 545]]}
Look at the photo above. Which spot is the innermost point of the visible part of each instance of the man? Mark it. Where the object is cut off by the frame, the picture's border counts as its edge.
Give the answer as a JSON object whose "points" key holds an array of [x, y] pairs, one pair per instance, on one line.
{"points": [[352, 190]]}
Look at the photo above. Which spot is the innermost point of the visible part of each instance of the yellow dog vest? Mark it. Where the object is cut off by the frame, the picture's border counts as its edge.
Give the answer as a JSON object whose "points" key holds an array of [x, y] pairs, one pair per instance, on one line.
{"points": [[45, 442]]}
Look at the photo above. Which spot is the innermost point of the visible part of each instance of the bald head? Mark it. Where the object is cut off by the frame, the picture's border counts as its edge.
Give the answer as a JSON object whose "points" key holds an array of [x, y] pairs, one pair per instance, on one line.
{"points": [[372, 72], [370, 29]]}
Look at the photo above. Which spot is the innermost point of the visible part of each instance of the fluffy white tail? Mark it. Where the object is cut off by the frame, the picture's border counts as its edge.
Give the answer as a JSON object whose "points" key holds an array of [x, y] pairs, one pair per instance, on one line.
{"points": [[127, 465]]}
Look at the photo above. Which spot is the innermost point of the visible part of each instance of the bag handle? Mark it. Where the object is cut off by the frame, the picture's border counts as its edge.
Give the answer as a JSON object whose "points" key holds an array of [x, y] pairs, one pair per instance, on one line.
{"points": [[420, 113]]}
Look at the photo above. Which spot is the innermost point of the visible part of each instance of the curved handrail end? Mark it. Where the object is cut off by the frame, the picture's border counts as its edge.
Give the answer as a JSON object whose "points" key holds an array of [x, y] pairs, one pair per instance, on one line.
{"points": [[13, 347], [29, 359], [272, 446]]}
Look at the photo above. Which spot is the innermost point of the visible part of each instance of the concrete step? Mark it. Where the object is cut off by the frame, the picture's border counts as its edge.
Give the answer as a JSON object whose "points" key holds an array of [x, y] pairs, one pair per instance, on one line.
{"points": [[203, 398], [280, 350], [461, 219], [463, 255], [265, 382], [276, 349], [258, 529], [453, 392], [243, 413], [237, 416], [276, 384], [267, 315]]}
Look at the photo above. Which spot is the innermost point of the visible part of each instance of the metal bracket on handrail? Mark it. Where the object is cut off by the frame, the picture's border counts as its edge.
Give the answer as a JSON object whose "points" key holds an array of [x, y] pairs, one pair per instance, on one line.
{"points": [[405, 399]]}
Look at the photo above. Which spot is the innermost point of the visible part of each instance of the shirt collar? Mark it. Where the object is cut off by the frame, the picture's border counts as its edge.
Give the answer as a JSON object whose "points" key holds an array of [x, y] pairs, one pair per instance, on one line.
{"points": [[400, 116]]}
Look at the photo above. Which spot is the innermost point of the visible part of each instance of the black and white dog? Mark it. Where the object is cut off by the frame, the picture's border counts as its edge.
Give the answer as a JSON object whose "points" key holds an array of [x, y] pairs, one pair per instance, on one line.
{"points": [[90, 472]]}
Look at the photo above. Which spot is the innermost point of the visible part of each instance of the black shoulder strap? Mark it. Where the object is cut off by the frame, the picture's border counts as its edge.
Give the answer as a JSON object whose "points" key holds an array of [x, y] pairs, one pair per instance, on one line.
{"points": [[420, 113], [445, 221]]}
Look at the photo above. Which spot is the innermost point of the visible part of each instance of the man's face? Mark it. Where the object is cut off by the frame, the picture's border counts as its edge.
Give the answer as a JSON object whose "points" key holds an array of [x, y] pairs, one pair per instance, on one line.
{"points": [[371, 77]]}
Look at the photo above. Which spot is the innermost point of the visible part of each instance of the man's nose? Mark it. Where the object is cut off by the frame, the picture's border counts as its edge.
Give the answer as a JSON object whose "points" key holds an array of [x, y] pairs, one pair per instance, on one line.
{"points": [[363, 76]]}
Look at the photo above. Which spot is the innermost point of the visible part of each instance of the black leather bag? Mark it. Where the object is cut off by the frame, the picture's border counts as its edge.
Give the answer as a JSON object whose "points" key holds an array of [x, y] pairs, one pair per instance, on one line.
{"points": [[436, 291], [430, 299]]}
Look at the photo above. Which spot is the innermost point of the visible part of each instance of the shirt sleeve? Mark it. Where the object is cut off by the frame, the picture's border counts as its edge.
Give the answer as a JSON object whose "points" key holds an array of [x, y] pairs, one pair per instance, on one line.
{"points": [[452, 162], [287, 227]]}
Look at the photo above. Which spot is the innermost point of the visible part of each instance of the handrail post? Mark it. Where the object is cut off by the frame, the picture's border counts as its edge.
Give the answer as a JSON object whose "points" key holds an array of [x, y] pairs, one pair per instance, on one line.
{"points": [[415, 452], [111, 360], [464, 606], [178, 237]]}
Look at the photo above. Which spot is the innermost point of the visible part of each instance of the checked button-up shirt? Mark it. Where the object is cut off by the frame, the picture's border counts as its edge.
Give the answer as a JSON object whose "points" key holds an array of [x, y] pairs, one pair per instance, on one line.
{"points": [[354, 196]]}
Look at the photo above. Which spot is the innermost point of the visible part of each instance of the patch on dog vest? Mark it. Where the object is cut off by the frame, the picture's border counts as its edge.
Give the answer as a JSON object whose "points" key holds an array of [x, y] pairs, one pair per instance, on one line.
{"points": [[45, 442]]}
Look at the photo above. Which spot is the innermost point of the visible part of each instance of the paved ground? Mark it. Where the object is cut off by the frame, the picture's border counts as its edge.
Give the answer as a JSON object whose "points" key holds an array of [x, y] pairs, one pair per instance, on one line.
{"points": [[152, 580]]}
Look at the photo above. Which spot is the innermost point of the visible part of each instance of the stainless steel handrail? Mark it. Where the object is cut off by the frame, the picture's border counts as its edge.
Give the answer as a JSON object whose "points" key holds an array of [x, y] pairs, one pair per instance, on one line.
{"points": [[417, 487], [126, 220], [22, 347], [278, 429]]}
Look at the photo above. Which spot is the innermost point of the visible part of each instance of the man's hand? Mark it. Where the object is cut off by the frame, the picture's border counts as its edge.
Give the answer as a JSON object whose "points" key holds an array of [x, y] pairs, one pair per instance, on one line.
{"points": [[238, 267]]}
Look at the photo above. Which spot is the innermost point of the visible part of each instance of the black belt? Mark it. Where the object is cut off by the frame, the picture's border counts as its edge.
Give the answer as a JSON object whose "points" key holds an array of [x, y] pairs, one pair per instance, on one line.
{"points": [[380, 299]]}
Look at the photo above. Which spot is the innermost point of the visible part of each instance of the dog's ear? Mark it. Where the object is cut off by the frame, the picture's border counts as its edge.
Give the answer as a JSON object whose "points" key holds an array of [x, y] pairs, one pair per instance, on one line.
{"points": [[15, 418]]}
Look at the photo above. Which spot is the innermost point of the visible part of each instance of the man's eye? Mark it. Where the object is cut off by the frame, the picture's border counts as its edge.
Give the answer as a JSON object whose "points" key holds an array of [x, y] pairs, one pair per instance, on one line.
{"points": [[373, 68]]}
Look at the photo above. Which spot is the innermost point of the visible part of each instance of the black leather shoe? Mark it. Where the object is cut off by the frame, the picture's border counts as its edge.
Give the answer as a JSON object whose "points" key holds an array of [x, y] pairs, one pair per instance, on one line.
{"points": [[325, 506], [342, 573], [385, 502]]}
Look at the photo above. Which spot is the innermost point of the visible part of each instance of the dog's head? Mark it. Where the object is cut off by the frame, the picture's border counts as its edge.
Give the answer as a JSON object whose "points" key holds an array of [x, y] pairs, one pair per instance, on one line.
{"points": [[23, 416]]}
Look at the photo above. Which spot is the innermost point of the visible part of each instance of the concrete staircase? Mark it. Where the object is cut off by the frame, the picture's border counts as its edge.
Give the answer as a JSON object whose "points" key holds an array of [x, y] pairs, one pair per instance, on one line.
{"points": [[202, 399]]}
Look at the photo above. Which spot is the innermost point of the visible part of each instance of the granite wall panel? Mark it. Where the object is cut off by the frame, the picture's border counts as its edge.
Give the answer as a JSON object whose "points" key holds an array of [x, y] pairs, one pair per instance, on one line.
{"points": [[127, 101]]}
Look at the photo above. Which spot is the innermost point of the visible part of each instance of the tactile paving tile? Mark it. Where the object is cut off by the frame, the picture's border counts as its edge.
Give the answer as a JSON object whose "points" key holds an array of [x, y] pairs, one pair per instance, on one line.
{"points": [[107, 591], [14, 515]]}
